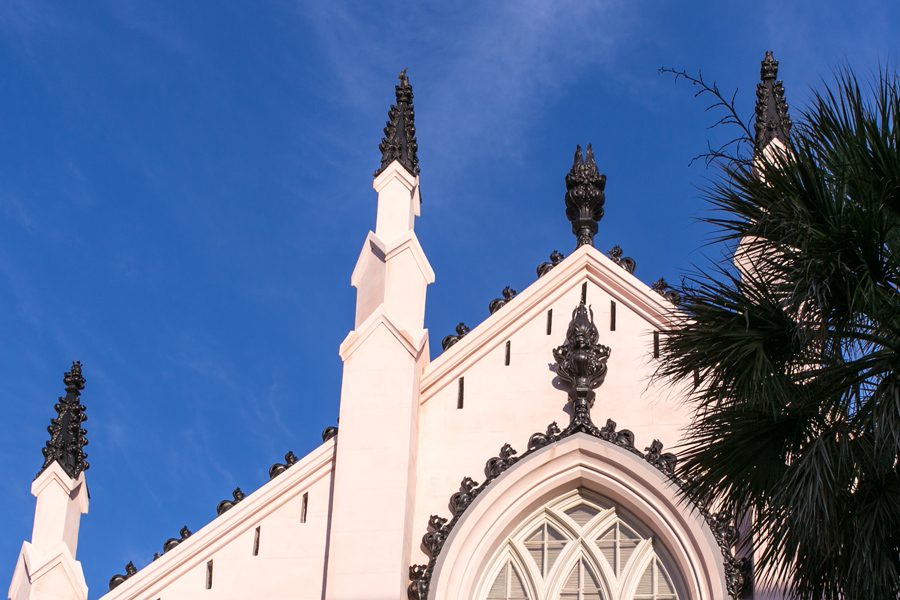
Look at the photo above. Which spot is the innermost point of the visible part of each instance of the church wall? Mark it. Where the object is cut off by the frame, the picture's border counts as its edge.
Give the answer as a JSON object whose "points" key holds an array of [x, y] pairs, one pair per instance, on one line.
{"points": [[290, 560], [506, 404]]}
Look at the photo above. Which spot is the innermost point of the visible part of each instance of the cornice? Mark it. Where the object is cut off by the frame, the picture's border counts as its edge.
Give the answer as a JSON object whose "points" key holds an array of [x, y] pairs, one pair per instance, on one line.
{"points": [[414, 343], [586, 263], [203, 544], [410, 243]]}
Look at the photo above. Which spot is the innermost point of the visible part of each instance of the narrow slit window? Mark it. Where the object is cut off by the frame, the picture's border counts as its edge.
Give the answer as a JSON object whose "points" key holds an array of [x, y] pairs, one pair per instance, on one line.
{"points": [[256, 542], [655, 344], [304, 506], [508, 344], [460, 394], [612, 315], [209, 574], [584, 293], [549, 321]]}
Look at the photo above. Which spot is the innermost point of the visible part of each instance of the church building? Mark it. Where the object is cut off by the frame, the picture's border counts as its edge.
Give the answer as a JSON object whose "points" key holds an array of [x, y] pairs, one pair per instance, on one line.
{"points": [[529, 461]]}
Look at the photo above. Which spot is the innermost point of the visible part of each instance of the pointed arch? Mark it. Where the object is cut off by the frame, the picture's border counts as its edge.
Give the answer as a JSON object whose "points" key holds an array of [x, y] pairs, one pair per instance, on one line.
{"points": [[579, 461]]}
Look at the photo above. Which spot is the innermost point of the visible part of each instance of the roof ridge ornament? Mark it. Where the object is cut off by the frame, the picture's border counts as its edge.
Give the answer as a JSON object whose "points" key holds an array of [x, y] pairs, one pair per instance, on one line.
{"points": [[581, 363], [772, 118], [584, 196], [399, 141], [67, 437]]}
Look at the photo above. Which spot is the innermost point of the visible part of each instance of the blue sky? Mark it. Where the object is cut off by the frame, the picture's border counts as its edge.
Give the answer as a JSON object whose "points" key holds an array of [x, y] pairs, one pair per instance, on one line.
{"points": [[185, 188]]}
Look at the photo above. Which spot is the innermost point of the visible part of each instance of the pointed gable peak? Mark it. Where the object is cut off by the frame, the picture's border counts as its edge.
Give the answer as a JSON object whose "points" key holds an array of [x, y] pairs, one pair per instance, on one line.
{"points": [[772, 118], [399, 141], [67, 438]]}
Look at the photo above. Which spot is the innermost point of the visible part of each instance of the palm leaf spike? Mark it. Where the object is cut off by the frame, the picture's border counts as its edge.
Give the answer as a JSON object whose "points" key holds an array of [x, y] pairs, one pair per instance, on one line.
{"points": [[796, 418]]}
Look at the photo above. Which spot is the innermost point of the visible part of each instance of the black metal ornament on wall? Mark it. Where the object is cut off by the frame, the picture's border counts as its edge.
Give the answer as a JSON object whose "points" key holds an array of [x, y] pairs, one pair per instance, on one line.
{"points": [[555, 259], [117, 580], [226, 505], [662, 288], [290, 459], [581, 365], [185, 533], [584, 196], [497, 303], [626, 262], [448, 341], [328, 433]]}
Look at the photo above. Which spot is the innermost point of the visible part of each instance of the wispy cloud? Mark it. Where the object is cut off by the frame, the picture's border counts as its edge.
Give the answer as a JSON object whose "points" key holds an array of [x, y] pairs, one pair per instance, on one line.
{"points": [[485, 69], [152, 20]]}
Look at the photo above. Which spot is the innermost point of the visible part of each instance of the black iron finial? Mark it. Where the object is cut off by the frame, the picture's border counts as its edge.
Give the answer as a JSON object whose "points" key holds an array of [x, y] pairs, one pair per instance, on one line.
{"points": [[581, 363], [67, 437], [772, 118], [584, 196], [399, 141]]}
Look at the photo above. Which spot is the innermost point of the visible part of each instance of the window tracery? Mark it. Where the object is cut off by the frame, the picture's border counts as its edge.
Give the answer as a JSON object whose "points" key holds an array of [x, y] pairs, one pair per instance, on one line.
{"points": [[580, 547]]}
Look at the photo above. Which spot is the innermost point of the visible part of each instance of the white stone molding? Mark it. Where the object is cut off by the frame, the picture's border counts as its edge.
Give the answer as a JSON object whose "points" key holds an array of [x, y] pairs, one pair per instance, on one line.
{"points": [[579, 461], [587, 264], [54, 575], [414, 343], [399, 202]]}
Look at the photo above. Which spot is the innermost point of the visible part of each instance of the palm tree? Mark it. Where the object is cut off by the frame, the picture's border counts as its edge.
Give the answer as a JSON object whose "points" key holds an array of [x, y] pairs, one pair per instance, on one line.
{"points": [[793, 356]]}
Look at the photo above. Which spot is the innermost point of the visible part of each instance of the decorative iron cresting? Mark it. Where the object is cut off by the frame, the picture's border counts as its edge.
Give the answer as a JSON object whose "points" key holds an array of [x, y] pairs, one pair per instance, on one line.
{"points": [[117, 580], [662, 288], [226, 505], [448, 341], [582, 366], [584, 196], [67, 436], [328, 433], [626, 262], [498, 303], [555, 259], [290, 459], [185, 533], [399, 142], [772, 118]]}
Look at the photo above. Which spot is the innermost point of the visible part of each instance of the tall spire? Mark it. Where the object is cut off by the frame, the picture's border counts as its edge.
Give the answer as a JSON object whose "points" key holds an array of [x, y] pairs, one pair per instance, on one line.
{"points": [[399, 142], [67, 438], [584, 197], [772, 118]]}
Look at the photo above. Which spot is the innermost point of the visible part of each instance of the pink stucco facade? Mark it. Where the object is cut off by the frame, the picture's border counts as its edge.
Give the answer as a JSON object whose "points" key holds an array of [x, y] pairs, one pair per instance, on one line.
{"points": [[347, 521]]}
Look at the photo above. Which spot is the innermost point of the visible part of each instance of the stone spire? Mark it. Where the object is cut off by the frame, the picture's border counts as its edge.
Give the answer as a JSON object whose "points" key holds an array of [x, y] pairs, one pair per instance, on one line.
{"points": [[584, 197], [67, 438], [772, 118], [399, 142]]}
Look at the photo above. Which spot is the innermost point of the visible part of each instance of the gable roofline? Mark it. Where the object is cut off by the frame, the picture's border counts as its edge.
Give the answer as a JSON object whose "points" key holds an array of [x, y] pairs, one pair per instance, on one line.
{"points": [[227, 527], [585, 263]]}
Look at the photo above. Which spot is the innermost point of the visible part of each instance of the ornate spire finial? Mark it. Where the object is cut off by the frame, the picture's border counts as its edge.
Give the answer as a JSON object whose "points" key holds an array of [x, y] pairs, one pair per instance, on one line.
{"points": [[772, 118], [67, 438], [399, 142], [581, 363], [584, 197]]}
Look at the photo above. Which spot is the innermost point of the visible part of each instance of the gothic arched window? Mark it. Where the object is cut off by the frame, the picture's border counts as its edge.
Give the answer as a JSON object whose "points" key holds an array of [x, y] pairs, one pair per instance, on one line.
{"points": [[580, 547]]}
